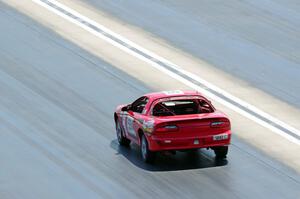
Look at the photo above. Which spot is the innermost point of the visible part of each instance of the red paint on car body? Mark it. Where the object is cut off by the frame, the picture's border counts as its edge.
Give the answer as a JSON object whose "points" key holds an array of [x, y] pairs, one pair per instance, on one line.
{"points": [[174, 120]]}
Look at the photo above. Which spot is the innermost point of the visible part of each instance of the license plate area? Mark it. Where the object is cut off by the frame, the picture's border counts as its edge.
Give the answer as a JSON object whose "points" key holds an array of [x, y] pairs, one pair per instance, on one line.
{"points": [[220, 137]]}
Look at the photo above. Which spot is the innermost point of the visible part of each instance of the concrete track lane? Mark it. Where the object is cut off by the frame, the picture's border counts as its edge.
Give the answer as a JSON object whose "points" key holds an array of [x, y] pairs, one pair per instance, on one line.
{"points": [[255, 40], [57, 135]]}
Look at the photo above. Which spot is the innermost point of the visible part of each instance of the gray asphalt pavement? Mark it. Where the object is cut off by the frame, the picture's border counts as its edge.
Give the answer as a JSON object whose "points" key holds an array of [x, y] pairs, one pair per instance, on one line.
{"points": [[57, 137], [255, 40]]}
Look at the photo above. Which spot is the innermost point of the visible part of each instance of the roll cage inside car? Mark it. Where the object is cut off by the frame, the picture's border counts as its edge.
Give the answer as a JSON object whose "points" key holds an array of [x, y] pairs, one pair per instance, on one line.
{"points": [[145, 106], [180, 106]]}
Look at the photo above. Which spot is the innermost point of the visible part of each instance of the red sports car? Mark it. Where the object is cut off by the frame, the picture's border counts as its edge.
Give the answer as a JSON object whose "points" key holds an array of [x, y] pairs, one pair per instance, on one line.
{"points": [[170, 121]]}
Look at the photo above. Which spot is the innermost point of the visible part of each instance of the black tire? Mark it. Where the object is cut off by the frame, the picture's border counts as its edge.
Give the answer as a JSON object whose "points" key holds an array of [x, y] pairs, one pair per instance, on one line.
{"points": [[147, 155], [221, 151], [120, 136]]}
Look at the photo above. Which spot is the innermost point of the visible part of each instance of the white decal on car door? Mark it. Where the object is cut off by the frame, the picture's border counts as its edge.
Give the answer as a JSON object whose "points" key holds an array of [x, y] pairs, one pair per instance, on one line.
{"points": [[130, 127]]}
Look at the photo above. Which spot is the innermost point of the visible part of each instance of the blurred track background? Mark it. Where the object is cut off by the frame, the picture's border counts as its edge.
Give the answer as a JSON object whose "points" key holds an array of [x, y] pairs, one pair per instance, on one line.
{"points": [[57, 137]]}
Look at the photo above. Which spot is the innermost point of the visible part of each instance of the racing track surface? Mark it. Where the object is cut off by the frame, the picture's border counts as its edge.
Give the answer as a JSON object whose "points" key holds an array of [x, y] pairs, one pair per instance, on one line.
{"points": [[255, 40], [57, 136]]}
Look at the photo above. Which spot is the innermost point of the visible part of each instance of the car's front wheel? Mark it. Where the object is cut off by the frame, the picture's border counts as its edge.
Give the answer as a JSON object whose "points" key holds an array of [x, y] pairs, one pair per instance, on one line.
{"points": [[120, 136], [221, 151], [147, 155]]}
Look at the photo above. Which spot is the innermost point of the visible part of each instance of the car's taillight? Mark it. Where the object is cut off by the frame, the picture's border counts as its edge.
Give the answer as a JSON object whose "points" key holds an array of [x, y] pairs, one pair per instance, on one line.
{"points": [[167, 128], [220, 124]]}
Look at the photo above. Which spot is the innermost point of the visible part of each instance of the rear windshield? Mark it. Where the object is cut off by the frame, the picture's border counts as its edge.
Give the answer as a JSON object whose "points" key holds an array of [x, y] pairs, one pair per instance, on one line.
{"points": [[181, 107]]}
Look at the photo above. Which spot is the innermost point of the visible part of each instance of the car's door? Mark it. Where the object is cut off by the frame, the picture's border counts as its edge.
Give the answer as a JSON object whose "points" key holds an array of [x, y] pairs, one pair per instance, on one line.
{"points": [[135, 112]]}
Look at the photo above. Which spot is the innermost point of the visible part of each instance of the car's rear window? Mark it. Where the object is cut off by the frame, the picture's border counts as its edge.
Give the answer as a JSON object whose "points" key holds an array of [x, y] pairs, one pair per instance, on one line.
{"points": [[181, 107]]}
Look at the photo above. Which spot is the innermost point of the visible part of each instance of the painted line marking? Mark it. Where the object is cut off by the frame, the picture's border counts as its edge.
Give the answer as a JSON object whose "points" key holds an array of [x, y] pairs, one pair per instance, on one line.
{"points": [[176, 72]]}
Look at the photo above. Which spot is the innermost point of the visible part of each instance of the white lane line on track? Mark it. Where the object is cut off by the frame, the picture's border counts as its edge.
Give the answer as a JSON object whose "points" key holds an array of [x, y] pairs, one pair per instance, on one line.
{"points": [[176, 72]]}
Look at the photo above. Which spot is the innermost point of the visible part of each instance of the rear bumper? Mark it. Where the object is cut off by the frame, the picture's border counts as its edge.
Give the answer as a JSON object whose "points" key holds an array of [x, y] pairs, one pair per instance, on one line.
{"points": [[159, 143]]}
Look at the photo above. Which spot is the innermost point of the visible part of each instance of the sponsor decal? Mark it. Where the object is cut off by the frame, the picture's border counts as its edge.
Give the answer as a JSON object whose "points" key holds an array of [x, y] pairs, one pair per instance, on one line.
{"points": [[173, 92], [148, 126], [130, 128]]}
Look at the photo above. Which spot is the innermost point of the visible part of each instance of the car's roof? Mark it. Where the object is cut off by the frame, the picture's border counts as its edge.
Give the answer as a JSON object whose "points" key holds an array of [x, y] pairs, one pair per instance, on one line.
{"points": [[173, 93]]}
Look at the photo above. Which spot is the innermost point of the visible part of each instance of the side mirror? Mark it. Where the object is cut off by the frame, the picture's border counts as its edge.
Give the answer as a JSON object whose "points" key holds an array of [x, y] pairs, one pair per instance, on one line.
{"points": [[126, 108]]}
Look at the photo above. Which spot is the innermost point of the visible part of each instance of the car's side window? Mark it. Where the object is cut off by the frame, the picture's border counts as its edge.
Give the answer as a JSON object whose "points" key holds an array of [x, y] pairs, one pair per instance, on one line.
{"points": [[205, 107], [138, 106]]}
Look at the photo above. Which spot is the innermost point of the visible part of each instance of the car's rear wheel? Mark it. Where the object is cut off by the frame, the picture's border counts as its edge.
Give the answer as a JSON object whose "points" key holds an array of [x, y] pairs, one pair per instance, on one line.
{"points": [[221, 151], [147, 155], [120, 136]]}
